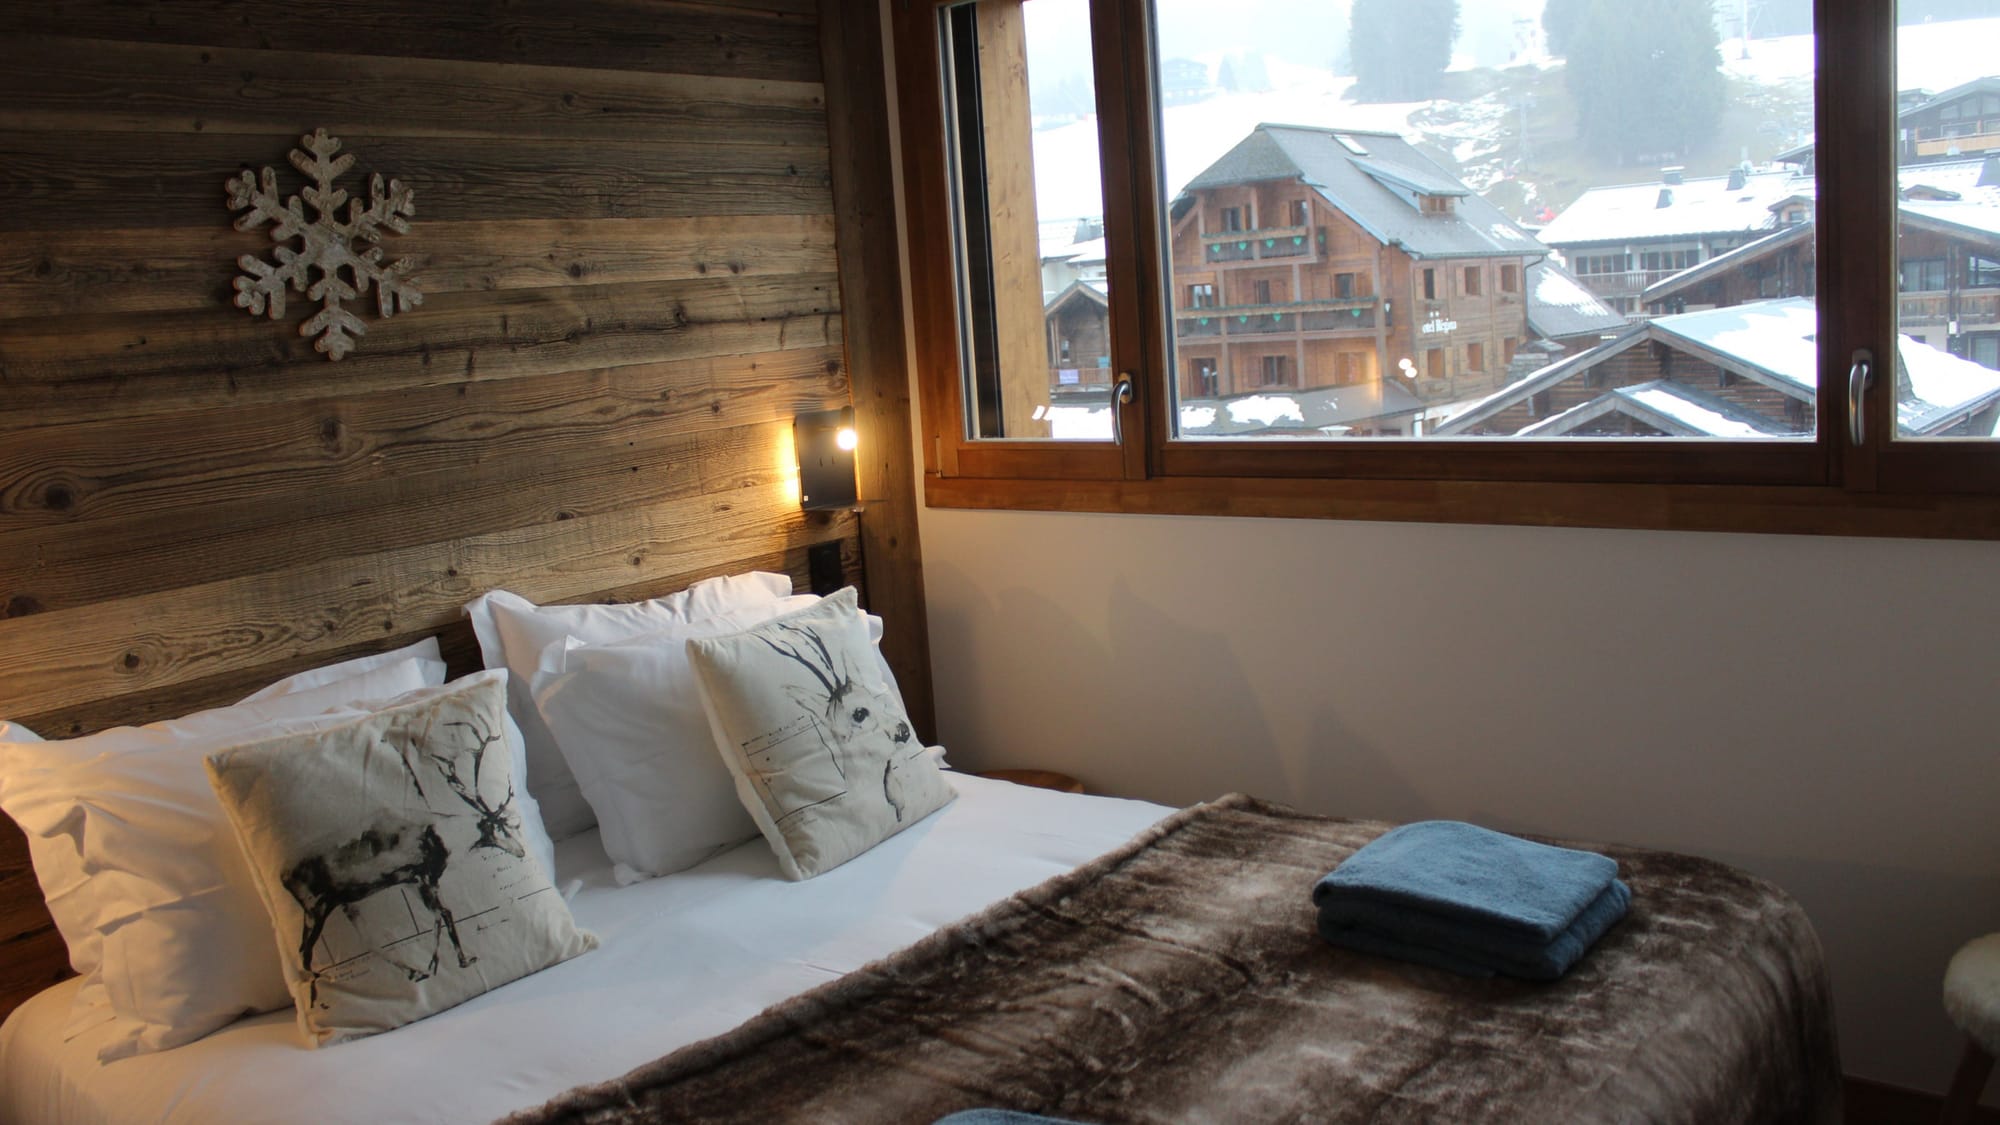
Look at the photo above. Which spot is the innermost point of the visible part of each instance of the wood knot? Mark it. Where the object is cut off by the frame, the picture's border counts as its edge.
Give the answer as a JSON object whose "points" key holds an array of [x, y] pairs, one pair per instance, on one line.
{"points": [[131, 661], [329, 430], [58, 498], [21, 605]]}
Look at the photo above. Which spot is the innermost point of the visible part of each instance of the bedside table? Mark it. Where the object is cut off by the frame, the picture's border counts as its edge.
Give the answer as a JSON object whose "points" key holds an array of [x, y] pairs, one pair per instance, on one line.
{"points": [[1039, 779]]}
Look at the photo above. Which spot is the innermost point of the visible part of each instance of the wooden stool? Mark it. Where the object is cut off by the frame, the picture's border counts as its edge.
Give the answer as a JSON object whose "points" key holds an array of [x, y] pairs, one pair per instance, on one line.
{"points": [[1972, 1000]]}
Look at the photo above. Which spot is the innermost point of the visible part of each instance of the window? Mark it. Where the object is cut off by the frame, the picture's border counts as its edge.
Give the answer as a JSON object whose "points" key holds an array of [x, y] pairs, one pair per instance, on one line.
{"points": [[1982, 273], [1201, 371], [1922, 275], [1172, 172], [1301, 213], [1201, 296]]}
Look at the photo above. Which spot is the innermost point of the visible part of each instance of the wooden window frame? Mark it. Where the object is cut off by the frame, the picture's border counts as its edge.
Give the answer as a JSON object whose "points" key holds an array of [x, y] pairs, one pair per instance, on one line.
{"points": [[1829, 485]]}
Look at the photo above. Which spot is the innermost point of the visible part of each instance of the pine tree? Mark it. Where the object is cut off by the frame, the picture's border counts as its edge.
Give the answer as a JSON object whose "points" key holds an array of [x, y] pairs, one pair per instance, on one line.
{"points": [[1646, 75], [1401, 47], [1559, 22]]}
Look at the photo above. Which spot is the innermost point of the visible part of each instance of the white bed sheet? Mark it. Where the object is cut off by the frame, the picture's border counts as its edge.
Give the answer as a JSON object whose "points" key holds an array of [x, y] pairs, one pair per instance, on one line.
{"points": [[683, 958]]}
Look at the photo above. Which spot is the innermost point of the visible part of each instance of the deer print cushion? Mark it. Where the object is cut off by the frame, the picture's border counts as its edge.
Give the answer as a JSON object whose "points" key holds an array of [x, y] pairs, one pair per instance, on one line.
{"points": [[815, 736], [391, 859]]}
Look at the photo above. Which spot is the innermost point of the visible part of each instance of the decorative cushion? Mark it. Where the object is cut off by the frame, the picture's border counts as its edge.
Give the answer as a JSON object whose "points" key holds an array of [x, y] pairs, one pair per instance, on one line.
{"points": [[389, 857], [142, 872], [816, 738], [1972, 991], [514, 631]]}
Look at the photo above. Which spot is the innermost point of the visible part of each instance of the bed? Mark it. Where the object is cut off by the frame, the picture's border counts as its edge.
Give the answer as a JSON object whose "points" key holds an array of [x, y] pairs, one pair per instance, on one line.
{"points": [[1707, 1004]]}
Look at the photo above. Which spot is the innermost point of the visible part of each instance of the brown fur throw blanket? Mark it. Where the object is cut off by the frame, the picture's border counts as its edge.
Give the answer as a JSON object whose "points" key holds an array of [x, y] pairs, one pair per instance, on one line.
{"points": [[1179, 979]]}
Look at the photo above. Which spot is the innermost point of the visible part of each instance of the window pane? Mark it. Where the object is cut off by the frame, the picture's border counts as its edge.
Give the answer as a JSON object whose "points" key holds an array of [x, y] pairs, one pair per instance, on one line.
{"points": [[1948, 222], [1032, 286], [1418, 218]]}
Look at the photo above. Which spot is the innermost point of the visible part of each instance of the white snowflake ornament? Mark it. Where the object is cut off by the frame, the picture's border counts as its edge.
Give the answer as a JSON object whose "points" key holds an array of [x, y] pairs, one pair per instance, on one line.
{"points": [[328, 245]]}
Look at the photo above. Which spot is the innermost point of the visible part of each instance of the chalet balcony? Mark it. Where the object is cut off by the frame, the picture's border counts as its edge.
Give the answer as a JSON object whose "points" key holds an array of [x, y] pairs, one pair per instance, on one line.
{"points": [[1973, 307], [1340, 314], [1262, 245]]}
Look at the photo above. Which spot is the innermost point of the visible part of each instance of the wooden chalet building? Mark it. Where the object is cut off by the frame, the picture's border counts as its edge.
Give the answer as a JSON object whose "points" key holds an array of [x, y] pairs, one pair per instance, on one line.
{"points": [[1619, 240], [1744, 371], [1961, 122], [1948, 247], [1310, 258]]}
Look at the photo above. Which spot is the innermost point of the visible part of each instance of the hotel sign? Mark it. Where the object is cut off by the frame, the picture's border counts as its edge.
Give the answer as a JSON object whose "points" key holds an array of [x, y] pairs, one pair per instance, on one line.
{"points": [[1437, 325]]}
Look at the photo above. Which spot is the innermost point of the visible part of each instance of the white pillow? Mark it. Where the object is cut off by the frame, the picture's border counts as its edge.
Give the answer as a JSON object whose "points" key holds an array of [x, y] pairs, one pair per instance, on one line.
{"points": [[425, 650], [390, 862], [15, 732], [139, 862], [513, 631], [627, 716], [821, 749]]}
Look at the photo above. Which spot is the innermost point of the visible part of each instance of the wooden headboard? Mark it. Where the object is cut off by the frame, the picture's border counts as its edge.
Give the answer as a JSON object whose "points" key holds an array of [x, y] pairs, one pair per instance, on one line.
{"points": [[631, 284]]}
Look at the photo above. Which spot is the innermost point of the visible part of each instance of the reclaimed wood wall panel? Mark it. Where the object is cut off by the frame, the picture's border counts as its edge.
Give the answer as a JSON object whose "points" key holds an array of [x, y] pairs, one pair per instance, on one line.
{"points": [[629, 249]]}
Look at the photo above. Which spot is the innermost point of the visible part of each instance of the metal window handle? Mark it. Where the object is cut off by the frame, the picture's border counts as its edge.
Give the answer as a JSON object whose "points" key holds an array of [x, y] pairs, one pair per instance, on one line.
{"points": [[1121, 393], [1860, 377]]}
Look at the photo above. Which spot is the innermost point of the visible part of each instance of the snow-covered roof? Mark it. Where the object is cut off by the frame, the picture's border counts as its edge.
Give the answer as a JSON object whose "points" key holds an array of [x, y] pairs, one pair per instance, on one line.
{"points": [[1378, 190], [1978, 217], [1083, 289], [1726, 261], [1761, 338], [1695, 207], [1670, 408], [1943, 387], [1559, 306]]}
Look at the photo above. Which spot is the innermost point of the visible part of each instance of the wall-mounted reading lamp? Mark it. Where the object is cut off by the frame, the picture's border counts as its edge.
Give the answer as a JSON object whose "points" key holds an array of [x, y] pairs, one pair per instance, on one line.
{"points": [[825, 442]]}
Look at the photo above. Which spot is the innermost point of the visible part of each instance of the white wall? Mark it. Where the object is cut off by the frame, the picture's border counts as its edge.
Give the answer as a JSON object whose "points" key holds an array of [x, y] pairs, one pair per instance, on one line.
{"points": [[1820, 711]]}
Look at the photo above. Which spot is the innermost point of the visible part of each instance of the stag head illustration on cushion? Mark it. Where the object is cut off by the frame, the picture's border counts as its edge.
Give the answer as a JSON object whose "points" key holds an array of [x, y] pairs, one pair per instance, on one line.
{"points": [[823, 752]]}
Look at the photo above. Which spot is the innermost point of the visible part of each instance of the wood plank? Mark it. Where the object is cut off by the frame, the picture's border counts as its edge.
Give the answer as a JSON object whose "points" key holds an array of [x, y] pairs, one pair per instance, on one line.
{"points": [[50, 661], [58, 83], [105, 179], [171, 463], [75, 272], [64, 369], [639, 35], [871, 284], [52, 569]]}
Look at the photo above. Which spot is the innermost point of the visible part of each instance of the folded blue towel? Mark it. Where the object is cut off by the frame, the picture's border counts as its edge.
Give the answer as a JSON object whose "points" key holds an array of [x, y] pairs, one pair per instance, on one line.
{"points": [[1470, 950], [1514, 889]]}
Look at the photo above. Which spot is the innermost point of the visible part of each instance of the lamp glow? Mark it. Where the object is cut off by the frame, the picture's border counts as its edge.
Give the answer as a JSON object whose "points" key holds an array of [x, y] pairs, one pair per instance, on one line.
{"points": [[846, 439]]}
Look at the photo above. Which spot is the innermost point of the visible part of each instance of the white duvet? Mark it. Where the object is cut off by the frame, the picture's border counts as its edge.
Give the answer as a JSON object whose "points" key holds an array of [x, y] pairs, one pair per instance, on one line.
{"points": [[683, 958]]}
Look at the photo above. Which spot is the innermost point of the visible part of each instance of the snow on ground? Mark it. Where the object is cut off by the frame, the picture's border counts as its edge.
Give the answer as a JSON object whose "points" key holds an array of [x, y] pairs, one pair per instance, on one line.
{"points": [[1265, 410], [1931, 56]]}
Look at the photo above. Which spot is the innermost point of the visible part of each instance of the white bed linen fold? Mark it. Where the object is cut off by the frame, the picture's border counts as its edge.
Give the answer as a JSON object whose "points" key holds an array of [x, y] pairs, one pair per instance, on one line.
{"points": [[683, 958]]}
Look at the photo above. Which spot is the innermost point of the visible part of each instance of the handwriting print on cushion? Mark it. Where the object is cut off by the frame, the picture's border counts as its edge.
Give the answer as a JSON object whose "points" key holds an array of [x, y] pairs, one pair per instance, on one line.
{"points": [[817, 739], [390, 857]]}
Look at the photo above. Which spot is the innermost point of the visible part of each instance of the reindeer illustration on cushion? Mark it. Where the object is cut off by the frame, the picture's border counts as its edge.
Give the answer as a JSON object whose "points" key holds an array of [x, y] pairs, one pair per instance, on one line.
{"points": [[401, 852], [395, 853]]}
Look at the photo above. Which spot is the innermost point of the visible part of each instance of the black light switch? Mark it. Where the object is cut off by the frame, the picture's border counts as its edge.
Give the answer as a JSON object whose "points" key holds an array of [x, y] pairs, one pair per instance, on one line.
{"points": [[823, 568]]}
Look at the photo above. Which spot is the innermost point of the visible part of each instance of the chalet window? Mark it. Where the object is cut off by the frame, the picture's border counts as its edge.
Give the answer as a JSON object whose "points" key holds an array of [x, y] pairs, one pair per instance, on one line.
{"points": [[969, 71], [1922, 275], [1301, 213]]}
